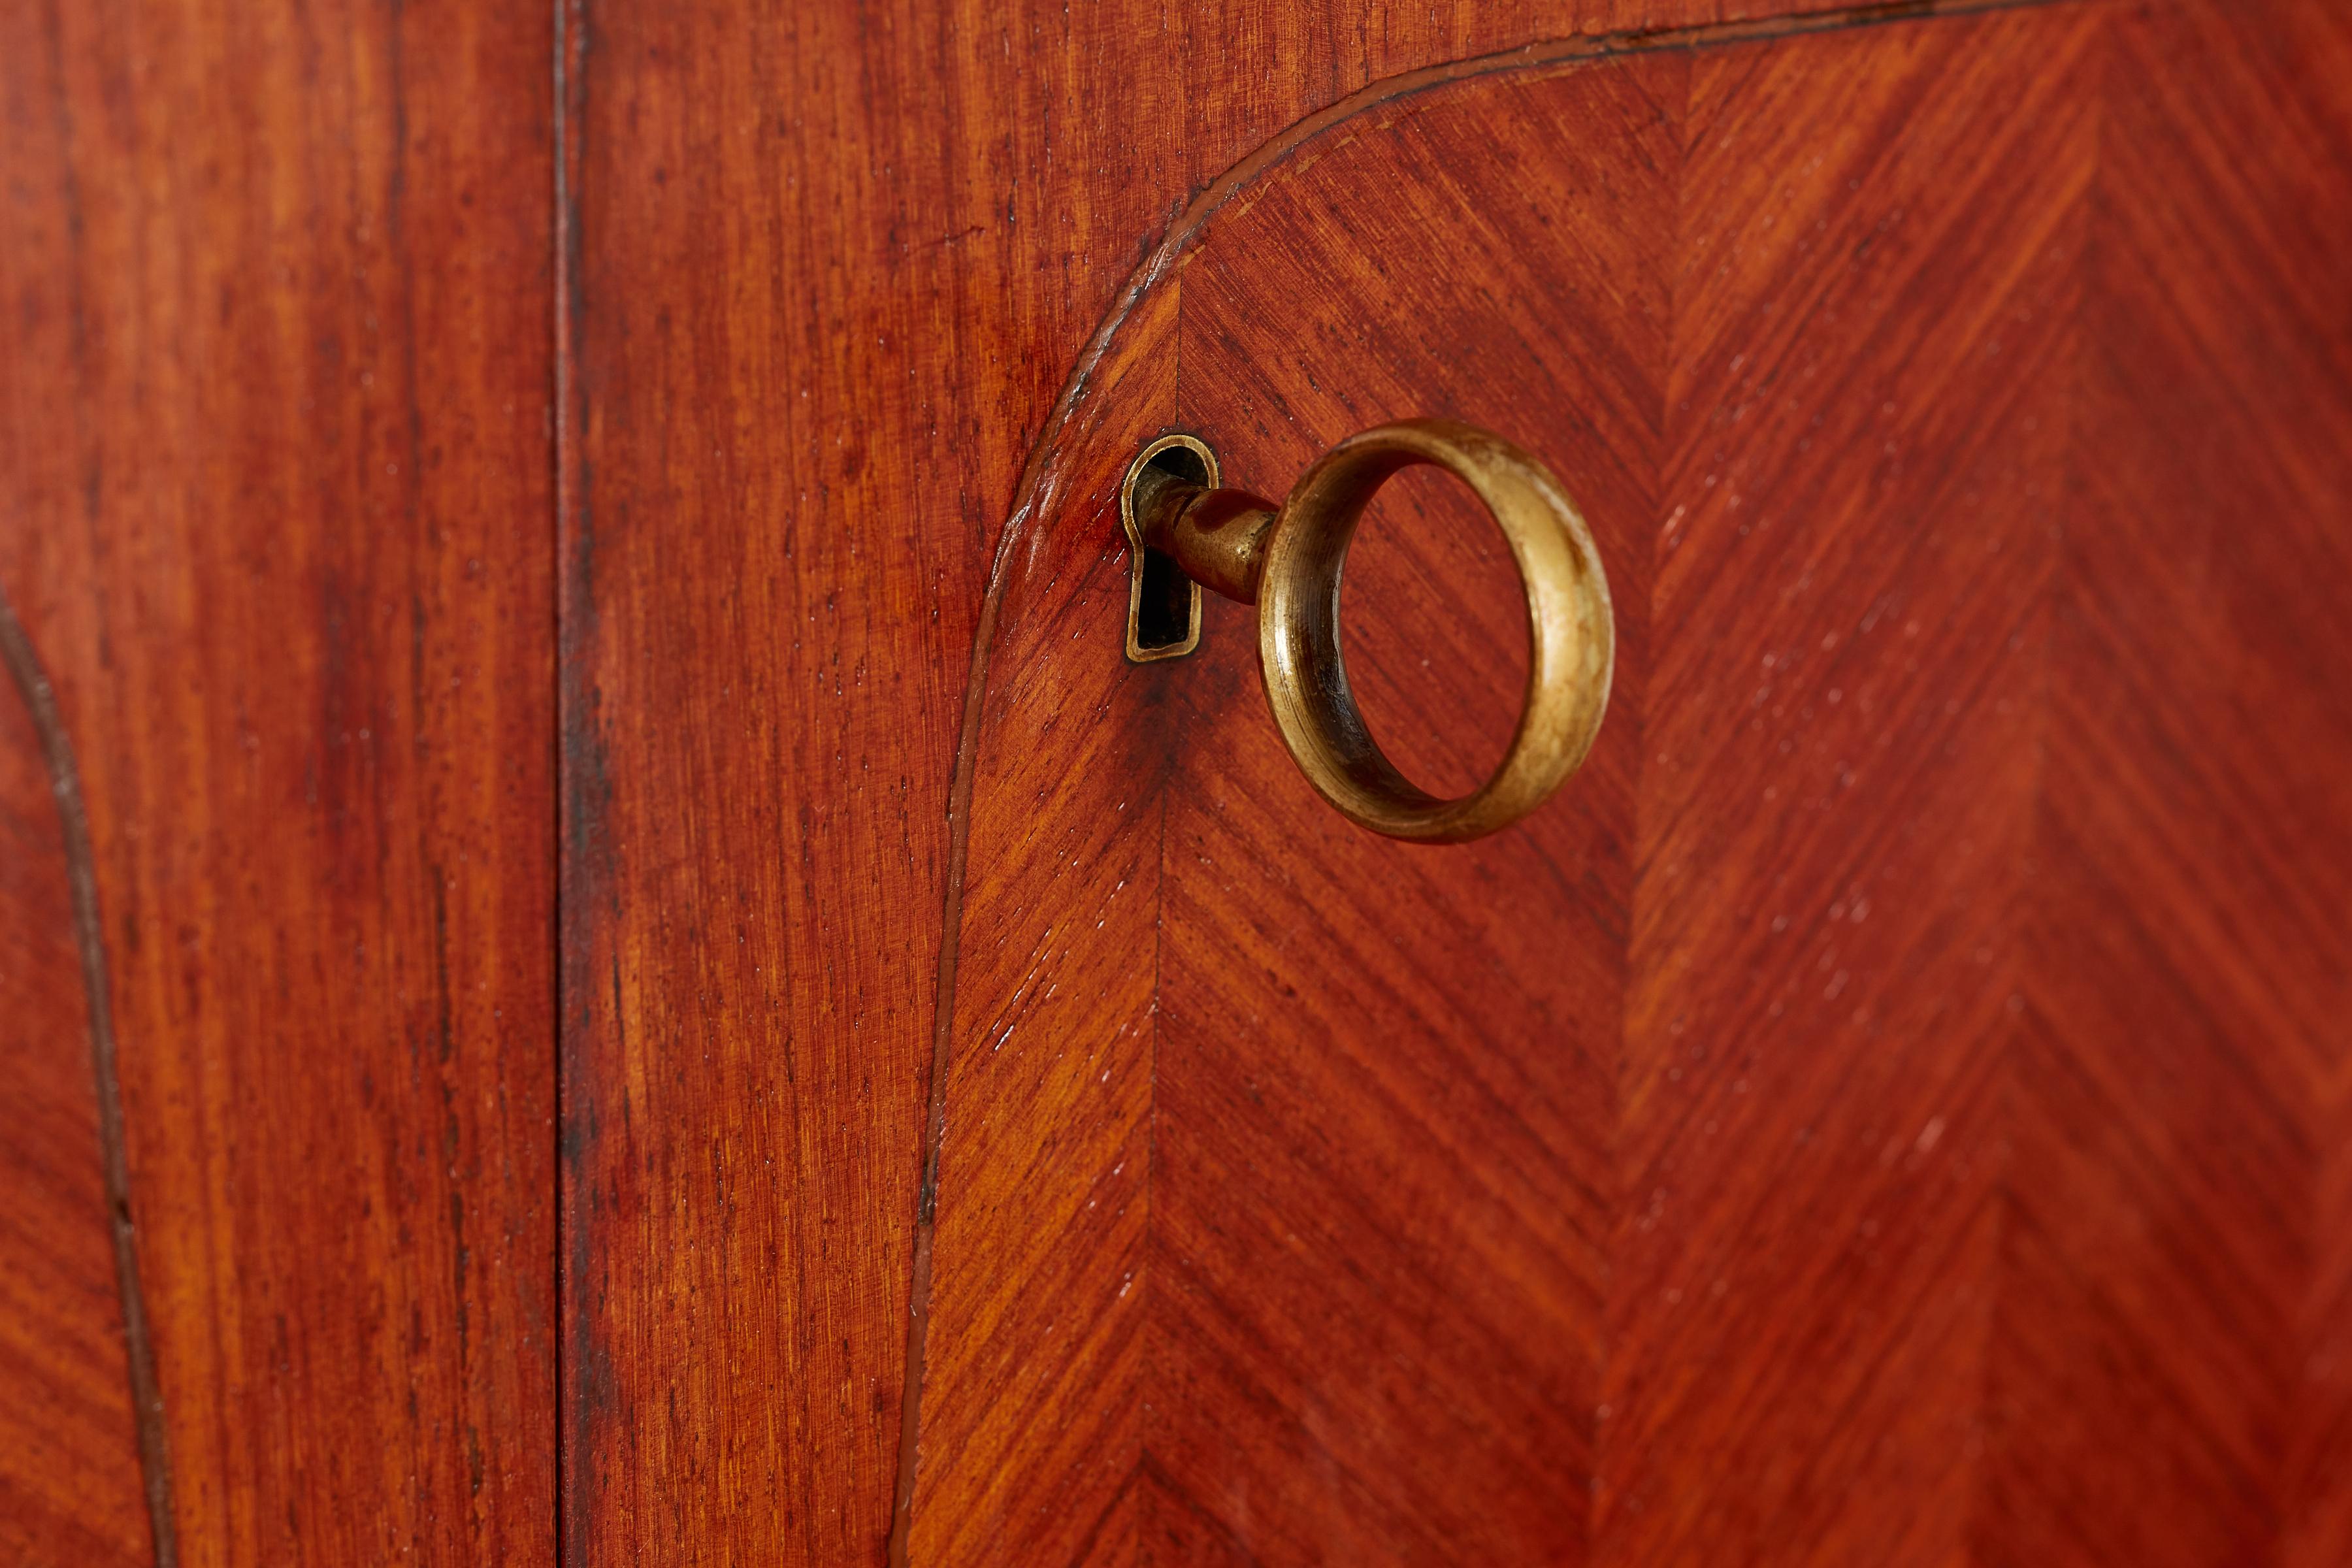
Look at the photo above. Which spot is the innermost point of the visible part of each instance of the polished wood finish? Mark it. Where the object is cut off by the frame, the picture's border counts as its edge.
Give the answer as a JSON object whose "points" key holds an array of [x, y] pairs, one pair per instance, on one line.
{"points": [[1162, 841], [276, 437], [1895, 1107], [829, 270], [2175, 1290], [275, 511], [1892, 1108], [1416, 1045], [1865, 466]]}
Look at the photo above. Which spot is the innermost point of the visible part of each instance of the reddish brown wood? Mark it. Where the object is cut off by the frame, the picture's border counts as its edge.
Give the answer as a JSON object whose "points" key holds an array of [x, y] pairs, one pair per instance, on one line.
{"points": [[1323, 53], [2177, 1244], [804, 315], [71, 1487], [1038, 1251], [275, 510], [1866, 429], [1298, 1196], [1867, 1241], [831, 270], [276, 431], [1391, 1350], [1047, 1340]]}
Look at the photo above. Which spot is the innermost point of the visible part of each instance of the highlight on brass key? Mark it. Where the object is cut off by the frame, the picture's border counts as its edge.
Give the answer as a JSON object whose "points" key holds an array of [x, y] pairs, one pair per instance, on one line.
{"points": [[1190, 532]]}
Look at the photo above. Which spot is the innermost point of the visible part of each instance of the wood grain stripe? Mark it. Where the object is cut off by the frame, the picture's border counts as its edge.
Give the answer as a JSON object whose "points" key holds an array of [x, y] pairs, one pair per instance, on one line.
{"points": [[274, 507]]}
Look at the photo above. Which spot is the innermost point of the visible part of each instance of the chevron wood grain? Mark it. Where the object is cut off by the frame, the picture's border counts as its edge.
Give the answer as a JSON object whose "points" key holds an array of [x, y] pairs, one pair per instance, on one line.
{"points": [[2174, 1231], [1867, 424], [1893, 1111], [1382, 1174], [828, 272], [1896, 1108]]}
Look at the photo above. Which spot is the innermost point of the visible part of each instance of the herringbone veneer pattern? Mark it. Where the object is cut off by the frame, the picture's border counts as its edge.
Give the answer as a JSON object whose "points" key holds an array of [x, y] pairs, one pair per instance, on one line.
{"points": [[1896, 1109]]}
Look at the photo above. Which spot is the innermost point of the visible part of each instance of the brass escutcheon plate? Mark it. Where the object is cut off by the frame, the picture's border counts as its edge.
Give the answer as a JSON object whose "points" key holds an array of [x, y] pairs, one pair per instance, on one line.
{"points": [[1163, 605]]}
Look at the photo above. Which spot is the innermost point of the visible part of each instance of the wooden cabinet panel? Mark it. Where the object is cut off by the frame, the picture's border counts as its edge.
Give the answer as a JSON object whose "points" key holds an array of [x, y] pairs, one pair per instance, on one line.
{"points": [[275, 510], [1931, 1174], [677, 1000], [1379, 1183], [829, 269]]}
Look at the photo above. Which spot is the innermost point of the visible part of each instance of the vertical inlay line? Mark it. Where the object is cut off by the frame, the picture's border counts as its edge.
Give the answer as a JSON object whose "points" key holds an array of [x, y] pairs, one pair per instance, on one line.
{"points": [[73, 827]]}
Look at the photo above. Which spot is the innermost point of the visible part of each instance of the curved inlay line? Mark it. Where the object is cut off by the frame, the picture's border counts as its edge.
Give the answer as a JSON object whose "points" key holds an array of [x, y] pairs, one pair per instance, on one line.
{"points": [[146, 1396], [1046, 473]]}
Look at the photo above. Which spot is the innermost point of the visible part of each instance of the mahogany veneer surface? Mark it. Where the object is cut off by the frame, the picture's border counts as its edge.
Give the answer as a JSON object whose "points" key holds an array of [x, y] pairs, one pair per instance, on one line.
{"points": [[828, 269], [1893, 1107], [275, 511]]}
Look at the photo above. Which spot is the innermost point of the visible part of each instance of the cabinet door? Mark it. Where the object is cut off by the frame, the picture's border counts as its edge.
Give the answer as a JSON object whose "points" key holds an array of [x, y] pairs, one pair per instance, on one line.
{"points": [[602, 956], [1893, 1106]]}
